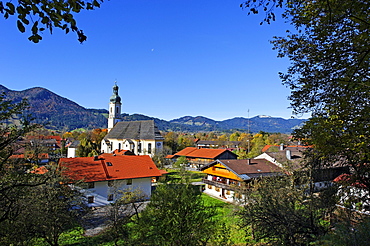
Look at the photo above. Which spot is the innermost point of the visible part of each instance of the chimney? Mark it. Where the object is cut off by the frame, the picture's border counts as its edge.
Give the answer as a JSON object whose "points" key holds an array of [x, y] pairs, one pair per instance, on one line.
{"points": [[249, 161], [96, 158], [288, 154], [281, 146]]}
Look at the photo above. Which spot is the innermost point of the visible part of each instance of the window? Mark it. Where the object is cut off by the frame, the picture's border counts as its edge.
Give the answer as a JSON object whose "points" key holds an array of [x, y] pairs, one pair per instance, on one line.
{"points": [[129, 182], [139, 147], [119, 146], [109, 164], [90, 185], [227, 192], [90, 199], [110, 183], [149, 148], [110, 197], [217, 189], [209, 187], [117, 110]]}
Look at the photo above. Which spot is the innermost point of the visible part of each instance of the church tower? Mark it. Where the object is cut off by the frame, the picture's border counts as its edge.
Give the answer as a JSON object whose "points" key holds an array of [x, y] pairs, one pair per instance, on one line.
{"points": [[114, 108]]}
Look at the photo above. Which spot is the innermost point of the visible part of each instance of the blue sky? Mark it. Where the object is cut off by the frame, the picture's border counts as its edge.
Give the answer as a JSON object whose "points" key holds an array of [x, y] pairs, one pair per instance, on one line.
{"points": [[169, 58]]}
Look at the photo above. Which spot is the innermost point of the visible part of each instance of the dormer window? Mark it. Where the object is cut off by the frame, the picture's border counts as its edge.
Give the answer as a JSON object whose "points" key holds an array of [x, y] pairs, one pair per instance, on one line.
{"points": [[109, 164]]}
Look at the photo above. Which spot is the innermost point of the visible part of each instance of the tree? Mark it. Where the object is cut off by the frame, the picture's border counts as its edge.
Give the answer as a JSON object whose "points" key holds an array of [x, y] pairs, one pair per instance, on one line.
{"points": [[184, 141], [31, 204], [176, 215], [12, 176], [348, 234], [170, 140], [128, 205], [42, 15], [45, 210], [160, 159], [281, 211], [181, 161], [258, 142], [328, 76], [87, 148]]}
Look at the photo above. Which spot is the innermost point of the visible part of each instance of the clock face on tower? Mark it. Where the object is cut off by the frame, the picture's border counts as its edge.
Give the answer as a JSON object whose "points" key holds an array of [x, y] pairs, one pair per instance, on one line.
{"points": [[158, 144]]}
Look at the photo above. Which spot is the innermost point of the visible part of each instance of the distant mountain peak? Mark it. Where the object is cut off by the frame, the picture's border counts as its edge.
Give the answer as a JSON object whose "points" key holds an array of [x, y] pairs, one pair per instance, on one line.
{"points": [[264, 116]]}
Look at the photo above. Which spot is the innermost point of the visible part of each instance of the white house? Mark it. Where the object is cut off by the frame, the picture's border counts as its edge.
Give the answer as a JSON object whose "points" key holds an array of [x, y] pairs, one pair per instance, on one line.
{"points": [[140, 137], [108, 174]]}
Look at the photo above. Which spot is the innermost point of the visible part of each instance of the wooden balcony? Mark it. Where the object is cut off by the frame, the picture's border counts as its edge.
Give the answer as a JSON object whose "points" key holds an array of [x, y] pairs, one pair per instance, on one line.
{"points": [[223, 185]]}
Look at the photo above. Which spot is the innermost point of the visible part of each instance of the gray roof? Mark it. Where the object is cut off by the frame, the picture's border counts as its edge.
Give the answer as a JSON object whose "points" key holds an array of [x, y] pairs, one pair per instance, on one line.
{"points": [[144, 129]]}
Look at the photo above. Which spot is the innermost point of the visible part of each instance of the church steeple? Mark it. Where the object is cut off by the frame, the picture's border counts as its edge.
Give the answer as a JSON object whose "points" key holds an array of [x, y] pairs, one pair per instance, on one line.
{"points": [[114, 108]]}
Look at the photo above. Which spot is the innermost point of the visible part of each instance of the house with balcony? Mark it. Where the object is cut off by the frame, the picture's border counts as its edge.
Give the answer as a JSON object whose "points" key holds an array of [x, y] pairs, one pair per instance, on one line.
{"points": [[200, 157], [108, 175], [227, 178]]}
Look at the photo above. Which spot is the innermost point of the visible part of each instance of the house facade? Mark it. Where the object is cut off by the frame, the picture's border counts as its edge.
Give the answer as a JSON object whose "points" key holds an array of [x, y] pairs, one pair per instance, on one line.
{"points": [[227, 178], [140, 137], [106, 176]]}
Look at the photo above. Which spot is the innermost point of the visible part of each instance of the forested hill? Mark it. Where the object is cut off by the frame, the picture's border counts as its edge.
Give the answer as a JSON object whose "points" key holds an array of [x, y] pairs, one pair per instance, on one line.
{"points": [[56, 112], [59, 113]]}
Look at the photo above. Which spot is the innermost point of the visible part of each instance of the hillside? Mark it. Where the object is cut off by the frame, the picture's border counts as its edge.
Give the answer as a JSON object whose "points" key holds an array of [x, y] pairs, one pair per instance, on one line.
{"points": [[56, 112], [59, 113]]}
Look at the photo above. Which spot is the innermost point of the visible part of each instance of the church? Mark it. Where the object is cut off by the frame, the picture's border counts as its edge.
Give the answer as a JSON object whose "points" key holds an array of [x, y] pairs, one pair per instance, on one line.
{"points": [[139, 137]]}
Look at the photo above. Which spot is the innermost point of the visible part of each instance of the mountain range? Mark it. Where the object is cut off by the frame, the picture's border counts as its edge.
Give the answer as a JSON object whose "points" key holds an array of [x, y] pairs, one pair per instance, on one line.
{"points": [[59, 113]]}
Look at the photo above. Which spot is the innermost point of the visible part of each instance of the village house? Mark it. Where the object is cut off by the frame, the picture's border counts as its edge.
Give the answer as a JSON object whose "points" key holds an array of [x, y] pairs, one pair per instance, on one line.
{"points": [[140, 137], [107, 175], [291, 158], [199, 157], [226, 178]]}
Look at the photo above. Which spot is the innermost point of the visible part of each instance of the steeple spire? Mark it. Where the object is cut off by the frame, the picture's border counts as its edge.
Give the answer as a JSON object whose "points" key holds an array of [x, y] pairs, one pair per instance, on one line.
{"points": [[115, 98], [114, 107]]}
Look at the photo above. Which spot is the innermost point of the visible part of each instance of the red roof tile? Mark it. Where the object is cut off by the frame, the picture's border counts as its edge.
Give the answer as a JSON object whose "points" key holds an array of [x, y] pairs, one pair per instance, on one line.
{"points": [[109, 167], [186, 151], [123, 152], [40, 170], [346, 178], [201, 153]]}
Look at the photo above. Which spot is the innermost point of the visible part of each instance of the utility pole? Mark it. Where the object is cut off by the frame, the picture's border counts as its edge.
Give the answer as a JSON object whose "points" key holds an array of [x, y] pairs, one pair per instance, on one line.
{"points": [[248, 133]]}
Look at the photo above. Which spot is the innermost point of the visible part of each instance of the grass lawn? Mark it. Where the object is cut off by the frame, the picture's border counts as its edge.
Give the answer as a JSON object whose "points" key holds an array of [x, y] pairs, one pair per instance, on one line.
{"points": [[226, 214], [175, 175]]}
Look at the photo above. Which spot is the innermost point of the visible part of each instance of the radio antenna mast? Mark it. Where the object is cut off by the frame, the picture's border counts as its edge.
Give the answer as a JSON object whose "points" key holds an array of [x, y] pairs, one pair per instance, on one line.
{"points": [[248, 133]]}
